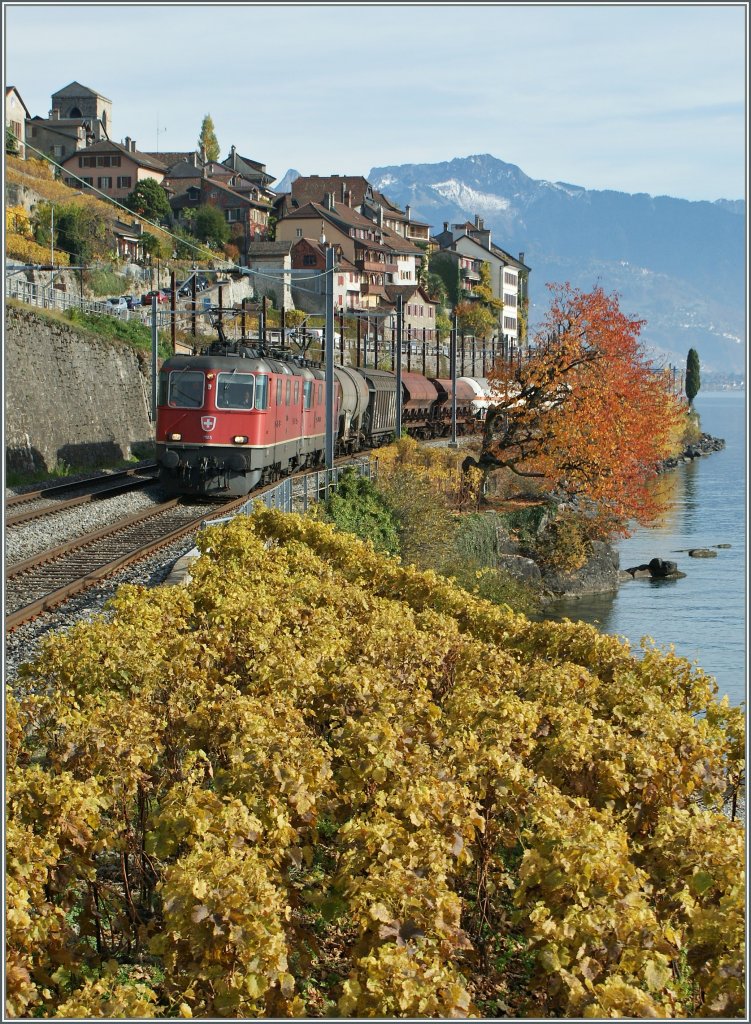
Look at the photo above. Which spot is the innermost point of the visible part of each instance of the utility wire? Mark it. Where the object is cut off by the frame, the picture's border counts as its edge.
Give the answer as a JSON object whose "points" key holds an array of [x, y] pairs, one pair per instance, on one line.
{"points": [[232, 268]]}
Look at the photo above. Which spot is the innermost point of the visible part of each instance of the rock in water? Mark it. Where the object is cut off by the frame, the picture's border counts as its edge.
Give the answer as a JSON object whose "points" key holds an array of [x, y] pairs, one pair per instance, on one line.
{"points": [[660, 568]]}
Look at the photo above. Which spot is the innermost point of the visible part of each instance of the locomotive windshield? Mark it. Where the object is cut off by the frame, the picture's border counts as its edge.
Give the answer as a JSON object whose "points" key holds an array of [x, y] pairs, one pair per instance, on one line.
{"points": [[235, 391], [185, 389]]}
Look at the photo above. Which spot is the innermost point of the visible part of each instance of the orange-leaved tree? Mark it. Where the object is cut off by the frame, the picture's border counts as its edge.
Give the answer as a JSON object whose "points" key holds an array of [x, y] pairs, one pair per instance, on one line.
{"points": [[586, 411]]}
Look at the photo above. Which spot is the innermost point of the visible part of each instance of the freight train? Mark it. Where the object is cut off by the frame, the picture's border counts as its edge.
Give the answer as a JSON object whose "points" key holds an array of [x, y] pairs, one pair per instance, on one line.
{"points": [[237, 415]]}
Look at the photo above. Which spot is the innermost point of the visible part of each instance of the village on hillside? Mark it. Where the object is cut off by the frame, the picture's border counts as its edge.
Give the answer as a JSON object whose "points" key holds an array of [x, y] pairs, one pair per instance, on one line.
{"points": [[383, 253]]}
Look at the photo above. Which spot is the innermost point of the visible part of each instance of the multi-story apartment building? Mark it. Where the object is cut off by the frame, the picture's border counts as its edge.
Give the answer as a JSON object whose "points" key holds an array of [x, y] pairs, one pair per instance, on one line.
{"points": [[470, 246], [381, 256]]}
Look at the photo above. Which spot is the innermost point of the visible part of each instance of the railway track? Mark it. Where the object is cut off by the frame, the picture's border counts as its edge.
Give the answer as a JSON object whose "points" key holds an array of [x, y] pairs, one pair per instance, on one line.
{"points": [[46, 580], [48, 500]]}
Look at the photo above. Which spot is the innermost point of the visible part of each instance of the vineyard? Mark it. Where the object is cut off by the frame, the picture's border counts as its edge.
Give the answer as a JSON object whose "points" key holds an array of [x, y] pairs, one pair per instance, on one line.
{"points": [[317, 782]]}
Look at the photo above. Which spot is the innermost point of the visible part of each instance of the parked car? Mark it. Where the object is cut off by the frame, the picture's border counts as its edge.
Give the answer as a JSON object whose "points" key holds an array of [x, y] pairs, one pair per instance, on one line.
{"points": [[132, 301], [117, 305], [161, 297]]}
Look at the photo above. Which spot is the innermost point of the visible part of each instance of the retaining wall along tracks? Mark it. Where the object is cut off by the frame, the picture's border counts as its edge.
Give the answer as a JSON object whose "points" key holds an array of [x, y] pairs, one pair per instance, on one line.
{"points": [[70, 397]]}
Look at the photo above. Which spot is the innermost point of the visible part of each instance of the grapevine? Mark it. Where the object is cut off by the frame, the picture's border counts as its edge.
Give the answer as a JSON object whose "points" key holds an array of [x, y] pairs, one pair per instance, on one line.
{"points": [[319, 782]]}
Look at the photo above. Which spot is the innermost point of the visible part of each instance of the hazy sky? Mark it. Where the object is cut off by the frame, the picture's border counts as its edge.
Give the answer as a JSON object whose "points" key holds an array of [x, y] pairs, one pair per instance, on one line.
{"points": [[637, 97]]}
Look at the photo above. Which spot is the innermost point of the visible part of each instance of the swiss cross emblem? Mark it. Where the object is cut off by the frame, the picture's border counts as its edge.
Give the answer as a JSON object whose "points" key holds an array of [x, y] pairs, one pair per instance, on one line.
{"points": [[208, 422]]}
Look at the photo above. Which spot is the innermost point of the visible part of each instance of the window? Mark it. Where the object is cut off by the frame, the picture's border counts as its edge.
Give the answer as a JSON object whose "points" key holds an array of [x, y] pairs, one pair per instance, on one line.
{"points": [[262, 391], [297, 391], [58, 151], [87, 161], [234, 391], [88, 181], [279, 391], [320, 393], [124, 182], [309, 260], [234, 215], [104, 183], [307, 390], [509, 278], [509, 300], [186, 389], [289, 385], [509, 323], [298, 232]]}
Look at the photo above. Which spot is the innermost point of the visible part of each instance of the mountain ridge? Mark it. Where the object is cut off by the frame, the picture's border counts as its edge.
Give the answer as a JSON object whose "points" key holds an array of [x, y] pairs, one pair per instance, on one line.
{"points": [[678, 264]]}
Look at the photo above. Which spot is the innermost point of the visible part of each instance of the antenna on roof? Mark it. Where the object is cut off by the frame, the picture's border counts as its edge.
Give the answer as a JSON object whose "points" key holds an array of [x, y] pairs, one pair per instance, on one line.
{"points": [[158, 130]]}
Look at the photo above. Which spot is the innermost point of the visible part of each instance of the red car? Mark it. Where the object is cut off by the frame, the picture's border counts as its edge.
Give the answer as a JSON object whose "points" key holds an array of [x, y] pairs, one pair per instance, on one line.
{"points": [[161, 297]]}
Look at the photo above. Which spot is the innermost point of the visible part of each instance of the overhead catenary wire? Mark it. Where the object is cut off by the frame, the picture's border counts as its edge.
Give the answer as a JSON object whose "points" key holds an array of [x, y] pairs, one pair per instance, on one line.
{"points": [[202, 250]]}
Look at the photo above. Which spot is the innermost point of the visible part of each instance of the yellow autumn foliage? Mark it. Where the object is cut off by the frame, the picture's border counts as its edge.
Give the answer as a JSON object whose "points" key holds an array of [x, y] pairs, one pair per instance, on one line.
{"points": [[320, 782]]}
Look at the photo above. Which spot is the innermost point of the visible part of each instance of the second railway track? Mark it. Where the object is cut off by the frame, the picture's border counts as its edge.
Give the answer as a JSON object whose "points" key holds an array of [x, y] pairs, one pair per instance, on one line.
{"points": [[47, 579]]}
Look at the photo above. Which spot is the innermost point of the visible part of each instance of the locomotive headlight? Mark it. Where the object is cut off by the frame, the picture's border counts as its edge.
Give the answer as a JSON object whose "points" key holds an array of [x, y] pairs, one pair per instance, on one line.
{"points": [[174, 437], [239, 439]]}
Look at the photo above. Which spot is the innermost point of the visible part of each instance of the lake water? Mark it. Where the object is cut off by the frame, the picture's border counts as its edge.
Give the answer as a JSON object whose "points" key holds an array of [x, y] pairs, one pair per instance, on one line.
{"points": [[703, 615]]}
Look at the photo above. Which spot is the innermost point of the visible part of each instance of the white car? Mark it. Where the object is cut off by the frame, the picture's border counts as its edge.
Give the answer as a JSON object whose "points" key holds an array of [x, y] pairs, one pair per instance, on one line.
{"points": [[118, 306]]}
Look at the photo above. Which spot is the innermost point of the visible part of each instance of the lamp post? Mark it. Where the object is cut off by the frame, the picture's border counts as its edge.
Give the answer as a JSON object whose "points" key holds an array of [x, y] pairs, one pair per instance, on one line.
{"points": [[452, 349]]}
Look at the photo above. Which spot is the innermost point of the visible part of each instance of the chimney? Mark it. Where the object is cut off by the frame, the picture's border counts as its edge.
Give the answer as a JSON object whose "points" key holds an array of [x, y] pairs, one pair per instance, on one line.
{"points": [[407, 212], [328, 201], [445, 225], [55, 114], [478, 222], [521, 257], [127, 142], [132, 145], [344, 192]]}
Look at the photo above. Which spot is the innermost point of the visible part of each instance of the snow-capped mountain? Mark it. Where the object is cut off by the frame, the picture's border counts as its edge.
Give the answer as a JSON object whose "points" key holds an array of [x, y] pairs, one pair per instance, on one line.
{"points": [[679, 265]]}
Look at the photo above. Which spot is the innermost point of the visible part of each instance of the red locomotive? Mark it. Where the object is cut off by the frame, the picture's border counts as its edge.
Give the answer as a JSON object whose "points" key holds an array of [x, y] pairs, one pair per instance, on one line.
{"points": [[234, 417]]}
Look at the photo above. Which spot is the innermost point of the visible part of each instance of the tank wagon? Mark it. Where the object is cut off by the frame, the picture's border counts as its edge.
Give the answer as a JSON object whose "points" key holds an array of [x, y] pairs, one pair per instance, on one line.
{"points": [[235, 416]]}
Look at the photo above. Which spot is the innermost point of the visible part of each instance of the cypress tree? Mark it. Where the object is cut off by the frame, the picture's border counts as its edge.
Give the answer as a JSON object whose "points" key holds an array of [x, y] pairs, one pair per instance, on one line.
{"points": [[693, 375], [207, 140]]}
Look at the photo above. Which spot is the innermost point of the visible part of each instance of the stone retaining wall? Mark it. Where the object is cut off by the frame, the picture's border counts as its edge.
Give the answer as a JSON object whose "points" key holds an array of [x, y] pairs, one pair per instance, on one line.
{"points": [[71, 397]]}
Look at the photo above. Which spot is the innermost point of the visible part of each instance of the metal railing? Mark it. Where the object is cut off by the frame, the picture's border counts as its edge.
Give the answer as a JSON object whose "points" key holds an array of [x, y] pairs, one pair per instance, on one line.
{"points": [[300, 494], [49, 297]]}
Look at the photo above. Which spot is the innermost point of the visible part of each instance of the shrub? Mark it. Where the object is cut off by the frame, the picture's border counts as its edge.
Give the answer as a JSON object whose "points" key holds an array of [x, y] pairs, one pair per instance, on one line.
{"points": [[564, 543], [357, 507]]}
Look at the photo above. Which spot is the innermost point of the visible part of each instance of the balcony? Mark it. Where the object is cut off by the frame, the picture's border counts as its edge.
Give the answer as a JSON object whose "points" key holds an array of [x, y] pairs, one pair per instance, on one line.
{"points": [[376, 266]]}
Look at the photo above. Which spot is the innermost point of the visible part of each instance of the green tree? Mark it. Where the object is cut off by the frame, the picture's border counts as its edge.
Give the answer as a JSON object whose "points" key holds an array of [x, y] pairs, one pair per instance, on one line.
{"points": [[208, 144], [448, 270], [78, 230], [693, 375], [149, 200], [157, 248], [210, 226]]}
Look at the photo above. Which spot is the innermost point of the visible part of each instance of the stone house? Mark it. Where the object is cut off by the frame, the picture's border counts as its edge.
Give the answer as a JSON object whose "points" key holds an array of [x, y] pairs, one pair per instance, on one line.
{"points": [[78, 118], [418, 313], [16, 114], [381, 256], [111, 168], [270, 264], [247, 214], [309, 254]]}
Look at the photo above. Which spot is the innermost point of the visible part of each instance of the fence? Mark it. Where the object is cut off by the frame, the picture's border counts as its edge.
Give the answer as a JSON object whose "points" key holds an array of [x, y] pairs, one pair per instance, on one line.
{"points": [[298, 495]]}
